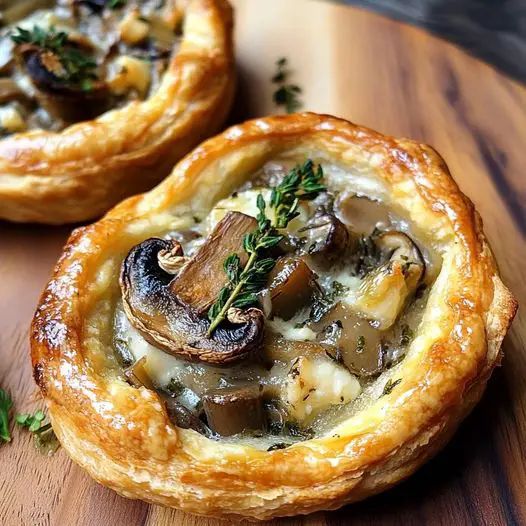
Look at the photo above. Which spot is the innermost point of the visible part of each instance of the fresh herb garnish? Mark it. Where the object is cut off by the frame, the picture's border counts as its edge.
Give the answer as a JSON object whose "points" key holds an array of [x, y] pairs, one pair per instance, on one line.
{"points": [[406, 336], [175, 387], [5, 405], [324, 301], [294, 430], [74, 66], [44, 436], [286, 94], [302, 183], [368, 255], [390, 385], [32, 422], [116, 4]]}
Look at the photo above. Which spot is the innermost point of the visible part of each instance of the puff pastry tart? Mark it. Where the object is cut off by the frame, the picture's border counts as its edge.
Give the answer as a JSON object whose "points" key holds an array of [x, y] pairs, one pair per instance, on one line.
{"points": [[296, 318], [100, 98]]}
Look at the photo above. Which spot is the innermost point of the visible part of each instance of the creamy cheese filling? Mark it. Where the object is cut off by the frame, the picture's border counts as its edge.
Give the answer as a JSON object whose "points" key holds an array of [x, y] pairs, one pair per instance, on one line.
{"points": [[317, 365]]}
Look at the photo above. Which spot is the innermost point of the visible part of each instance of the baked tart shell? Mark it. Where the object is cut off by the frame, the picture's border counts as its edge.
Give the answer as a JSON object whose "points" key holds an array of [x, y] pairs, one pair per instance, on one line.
{"points": [[122, 436], [79, 173]]}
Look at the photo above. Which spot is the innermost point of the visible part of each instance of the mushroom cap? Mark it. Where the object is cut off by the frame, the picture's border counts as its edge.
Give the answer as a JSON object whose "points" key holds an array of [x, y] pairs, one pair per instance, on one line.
{"points": [[65, 100], [163, 320]]}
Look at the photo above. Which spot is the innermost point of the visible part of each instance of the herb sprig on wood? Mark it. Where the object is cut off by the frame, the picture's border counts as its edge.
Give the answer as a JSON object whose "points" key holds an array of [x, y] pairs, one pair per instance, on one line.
{"points": [[5, 405], [286, 94], [44, 436], [302, 183], [74, 66]]}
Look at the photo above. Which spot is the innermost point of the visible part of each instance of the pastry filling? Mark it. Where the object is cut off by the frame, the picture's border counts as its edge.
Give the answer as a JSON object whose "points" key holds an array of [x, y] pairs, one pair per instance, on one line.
{"points": [[66, 61], [277, 314]]}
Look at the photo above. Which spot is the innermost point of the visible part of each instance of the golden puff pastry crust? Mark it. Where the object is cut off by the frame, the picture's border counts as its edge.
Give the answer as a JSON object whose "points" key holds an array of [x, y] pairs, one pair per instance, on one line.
{"points": [[122, 436], [80, 172]]}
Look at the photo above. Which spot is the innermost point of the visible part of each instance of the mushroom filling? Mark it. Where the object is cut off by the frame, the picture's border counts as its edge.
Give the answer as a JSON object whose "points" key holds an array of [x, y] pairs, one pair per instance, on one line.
{"points": [[277, 314], [66, 61]]}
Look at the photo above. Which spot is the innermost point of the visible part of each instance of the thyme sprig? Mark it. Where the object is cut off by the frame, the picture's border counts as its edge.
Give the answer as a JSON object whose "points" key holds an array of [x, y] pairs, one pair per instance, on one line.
{"points": [[44, 436], [302, 183], [77, 67], [286, 94], [5, 405]]}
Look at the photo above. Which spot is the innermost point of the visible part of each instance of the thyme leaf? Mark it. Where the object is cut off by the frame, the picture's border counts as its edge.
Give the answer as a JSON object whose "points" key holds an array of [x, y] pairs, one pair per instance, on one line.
{"points": [[76, 66], [303, 182], [390, 385], [5, 405], [323, 302], [44, 436], [406, 336], [116, 4], [286, 94]]}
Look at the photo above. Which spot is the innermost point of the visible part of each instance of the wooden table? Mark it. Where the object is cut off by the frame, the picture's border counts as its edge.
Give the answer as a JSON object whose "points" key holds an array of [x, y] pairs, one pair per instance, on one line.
{"points": [[400, 81]]}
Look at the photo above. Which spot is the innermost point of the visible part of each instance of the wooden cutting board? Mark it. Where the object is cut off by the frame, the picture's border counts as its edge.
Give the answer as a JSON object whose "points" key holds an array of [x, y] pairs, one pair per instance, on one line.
{"points": [[400, 81]]}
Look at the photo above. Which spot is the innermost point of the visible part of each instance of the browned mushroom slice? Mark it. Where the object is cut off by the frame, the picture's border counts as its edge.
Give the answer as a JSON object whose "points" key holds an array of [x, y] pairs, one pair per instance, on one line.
{"points": [[178, 414], [384, 291], [235, 409], [327, 238], [137, 376], [173, 324], [181, 416], [200, 281], [353, 341], [291, 285], [400, 248], [70, 102], [363, 214]]}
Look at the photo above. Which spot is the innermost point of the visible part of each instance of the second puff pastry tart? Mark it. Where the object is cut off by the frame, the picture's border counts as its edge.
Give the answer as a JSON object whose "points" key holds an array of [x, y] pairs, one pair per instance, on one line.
{"points": [[297, 318], [100, 98]]}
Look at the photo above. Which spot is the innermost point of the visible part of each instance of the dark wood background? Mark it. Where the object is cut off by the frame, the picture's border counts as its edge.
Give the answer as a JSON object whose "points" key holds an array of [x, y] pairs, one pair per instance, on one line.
{"points": [[493, 30], [400, 81]]}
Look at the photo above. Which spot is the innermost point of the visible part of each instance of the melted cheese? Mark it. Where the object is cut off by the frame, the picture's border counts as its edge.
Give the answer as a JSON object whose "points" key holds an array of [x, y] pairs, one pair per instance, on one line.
{"points": [[314, 385]]}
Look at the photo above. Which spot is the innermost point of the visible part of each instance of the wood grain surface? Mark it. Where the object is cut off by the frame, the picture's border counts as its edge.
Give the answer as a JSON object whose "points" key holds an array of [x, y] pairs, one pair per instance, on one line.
{"points": [[399, 81]]}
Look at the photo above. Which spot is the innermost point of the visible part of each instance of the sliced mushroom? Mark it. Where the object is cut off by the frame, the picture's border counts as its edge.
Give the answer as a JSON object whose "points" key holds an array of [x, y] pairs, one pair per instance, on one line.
{"points": [[353, 341], [327, 238], [400, 248], [67, 101], [181, 416], [172, 322], [384, 292], [201, 280], [363, 214], [235, 409], [291, 284], [137, 376]]}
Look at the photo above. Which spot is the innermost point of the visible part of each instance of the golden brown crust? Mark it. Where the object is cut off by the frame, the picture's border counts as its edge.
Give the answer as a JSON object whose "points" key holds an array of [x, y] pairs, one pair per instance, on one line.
{"points": [[81, 172], [122, 436]]}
